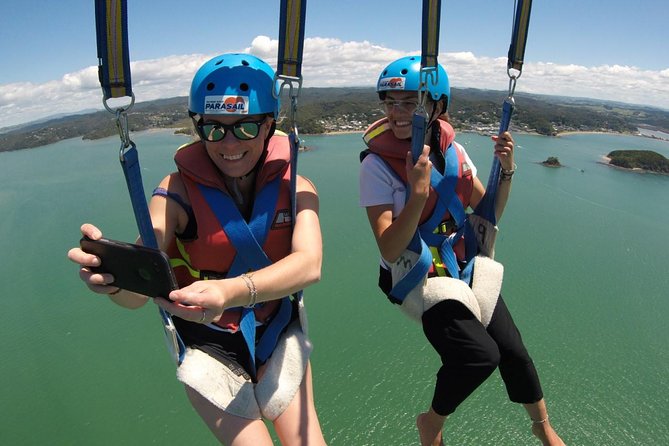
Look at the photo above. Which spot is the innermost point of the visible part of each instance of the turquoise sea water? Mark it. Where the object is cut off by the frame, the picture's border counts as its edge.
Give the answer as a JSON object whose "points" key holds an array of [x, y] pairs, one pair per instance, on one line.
{"points": [[585, 250]]}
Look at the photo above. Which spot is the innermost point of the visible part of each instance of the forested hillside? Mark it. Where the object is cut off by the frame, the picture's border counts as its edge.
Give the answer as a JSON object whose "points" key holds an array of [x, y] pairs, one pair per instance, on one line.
{"points": [[323, 110]]}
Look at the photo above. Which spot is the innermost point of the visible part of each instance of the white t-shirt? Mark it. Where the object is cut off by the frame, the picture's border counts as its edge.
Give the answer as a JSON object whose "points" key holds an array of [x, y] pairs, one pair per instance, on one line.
{"points": [[379, 184]]}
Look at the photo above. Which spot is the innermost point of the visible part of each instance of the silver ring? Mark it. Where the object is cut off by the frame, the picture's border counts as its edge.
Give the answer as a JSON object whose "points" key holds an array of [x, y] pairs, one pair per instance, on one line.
{"points": [[204, 316]]}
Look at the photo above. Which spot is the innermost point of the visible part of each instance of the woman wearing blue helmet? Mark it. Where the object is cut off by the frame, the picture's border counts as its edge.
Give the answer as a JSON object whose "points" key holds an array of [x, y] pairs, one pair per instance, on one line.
{"points": [[400, 200], [224, 219]]}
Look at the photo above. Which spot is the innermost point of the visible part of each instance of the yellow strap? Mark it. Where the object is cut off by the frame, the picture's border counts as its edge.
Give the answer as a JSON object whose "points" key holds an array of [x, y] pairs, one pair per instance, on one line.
{"points": [[291, 48], [522, 25], [439, 267], [432, 33], [115, 49]]}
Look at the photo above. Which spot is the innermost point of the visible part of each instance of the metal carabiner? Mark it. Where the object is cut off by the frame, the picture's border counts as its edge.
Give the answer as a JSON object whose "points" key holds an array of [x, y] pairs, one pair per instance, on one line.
{"points": [[124, 149], [124, 133], [427, 74], [121, 118], [122, 126], [286, 80], [294, 88], [513, 78], [115, 110]]}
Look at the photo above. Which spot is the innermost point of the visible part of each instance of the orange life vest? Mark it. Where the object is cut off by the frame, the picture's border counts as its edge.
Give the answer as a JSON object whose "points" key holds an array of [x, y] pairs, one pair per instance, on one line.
{"points": [[380, 140], [211, 253]]}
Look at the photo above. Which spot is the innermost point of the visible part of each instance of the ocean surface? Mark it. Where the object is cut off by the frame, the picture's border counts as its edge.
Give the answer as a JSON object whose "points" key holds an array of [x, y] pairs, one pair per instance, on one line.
{"points": [[585, 249]]}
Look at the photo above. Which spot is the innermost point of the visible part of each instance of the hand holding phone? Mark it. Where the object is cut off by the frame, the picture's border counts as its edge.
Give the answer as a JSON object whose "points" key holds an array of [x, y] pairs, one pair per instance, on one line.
{"points": [[135, 268]]}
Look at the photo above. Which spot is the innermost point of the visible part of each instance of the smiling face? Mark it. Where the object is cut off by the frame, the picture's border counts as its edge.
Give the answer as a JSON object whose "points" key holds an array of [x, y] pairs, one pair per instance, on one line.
{"points": [[234, 157], [400, 115], [400, 107]]}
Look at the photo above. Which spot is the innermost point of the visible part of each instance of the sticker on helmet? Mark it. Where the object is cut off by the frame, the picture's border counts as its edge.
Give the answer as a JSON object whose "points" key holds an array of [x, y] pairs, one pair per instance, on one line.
{"points": [[391, 83], [236, 105]]}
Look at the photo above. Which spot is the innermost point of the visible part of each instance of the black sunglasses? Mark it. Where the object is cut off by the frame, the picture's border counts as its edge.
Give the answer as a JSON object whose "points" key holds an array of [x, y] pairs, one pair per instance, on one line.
{"points": [[216, 131]]}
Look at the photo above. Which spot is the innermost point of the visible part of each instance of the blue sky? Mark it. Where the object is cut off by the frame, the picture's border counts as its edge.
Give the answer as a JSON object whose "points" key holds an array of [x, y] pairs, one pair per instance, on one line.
{"points": [[603, 49]]}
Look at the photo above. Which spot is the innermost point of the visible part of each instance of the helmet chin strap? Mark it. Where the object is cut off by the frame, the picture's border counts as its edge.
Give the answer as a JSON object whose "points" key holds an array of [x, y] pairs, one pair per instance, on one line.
{"points": [[237, 194], [433, 115]]}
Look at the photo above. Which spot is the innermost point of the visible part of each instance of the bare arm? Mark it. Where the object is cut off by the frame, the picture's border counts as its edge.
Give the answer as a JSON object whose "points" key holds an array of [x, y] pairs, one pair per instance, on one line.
{"points": [[503, 148], [393, 236], [504, 145]]}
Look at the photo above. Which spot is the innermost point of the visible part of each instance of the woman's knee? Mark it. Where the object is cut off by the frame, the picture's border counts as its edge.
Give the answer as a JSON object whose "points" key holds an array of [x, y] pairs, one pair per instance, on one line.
{"points": [[482, 358], [299, 423], [459, 337], [229, 429]]}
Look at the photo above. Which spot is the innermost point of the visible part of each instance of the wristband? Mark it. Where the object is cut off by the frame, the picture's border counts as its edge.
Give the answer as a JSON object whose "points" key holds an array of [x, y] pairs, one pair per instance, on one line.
{"points": [[507, 174]]}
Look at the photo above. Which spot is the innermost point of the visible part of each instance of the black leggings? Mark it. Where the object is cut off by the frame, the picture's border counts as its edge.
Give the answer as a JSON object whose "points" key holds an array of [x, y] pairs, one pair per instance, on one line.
{"points": [[470, 353]]}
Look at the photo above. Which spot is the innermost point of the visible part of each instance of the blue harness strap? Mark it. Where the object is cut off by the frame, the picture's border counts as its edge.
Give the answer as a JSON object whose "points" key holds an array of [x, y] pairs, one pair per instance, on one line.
{"points": [[486, 208], [111, 23], [248, 238], [447, 200], [133, 179], [417, 272], [418, 123], [425, 237]]}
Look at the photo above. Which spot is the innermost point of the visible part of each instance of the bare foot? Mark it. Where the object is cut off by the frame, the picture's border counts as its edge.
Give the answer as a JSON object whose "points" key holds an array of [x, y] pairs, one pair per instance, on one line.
{"points": [[546, 433], [429, 431]]}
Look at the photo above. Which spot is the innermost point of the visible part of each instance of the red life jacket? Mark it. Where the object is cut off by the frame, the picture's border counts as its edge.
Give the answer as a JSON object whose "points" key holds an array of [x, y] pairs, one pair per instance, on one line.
{"points": [[381, 141], [211, 253]]}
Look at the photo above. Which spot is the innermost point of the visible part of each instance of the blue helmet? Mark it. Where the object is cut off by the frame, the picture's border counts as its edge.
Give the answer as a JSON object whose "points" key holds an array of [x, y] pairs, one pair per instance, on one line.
{"points": [[234, 84], [404, 75]]}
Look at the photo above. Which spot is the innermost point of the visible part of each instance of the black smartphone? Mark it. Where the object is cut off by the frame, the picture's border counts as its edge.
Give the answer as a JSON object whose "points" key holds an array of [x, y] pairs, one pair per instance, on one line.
{"points": [[135, 268]]}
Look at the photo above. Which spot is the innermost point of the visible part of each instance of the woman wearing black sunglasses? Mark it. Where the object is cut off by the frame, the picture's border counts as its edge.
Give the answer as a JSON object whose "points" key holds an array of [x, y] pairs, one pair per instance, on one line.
{"points": [[225, 216]]}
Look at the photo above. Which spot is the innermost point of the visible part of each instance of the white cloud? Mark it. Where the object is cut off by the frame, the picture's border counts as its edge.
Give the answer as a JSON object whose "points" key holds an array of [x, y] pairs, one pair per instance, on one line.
{"points": [[330, 62]]}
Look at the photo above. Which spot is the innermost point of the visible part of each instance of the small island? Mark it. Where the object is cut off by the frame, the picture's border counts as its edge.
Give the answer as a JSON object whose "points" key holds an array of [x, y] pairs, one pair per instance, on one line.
{"points": [[551, 161], [639, 160]]}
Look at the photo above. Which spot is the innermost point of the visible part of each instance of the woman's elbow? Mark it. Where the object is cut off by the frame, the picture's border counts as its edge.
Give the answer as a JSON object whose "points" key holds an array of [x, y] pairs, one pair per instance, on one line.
{"points": [[390, 254], [314, 270]]}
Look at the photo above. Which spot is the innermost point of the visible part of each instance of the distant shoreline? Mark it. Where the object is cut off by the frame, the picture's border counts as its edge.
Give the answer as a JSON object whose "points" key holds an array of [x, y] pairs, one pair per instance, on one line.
{"points": [[591, 132], [179, 131], [594, 132], [338, 132]]}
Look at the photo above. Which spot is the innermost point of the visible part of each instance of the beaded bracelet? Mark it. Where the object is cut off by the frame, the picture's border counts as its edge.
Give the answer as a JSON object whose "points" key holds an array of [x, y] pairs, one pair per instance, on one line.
{"points": [[253, 292], [507, 174]]}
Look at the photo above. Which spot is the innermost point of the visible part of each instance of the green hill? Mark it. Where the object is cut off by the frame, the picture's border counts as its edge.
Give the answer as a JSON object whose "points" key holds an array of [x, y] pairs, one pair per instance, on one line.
{"points": [[353, 109], [639, 159]]}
